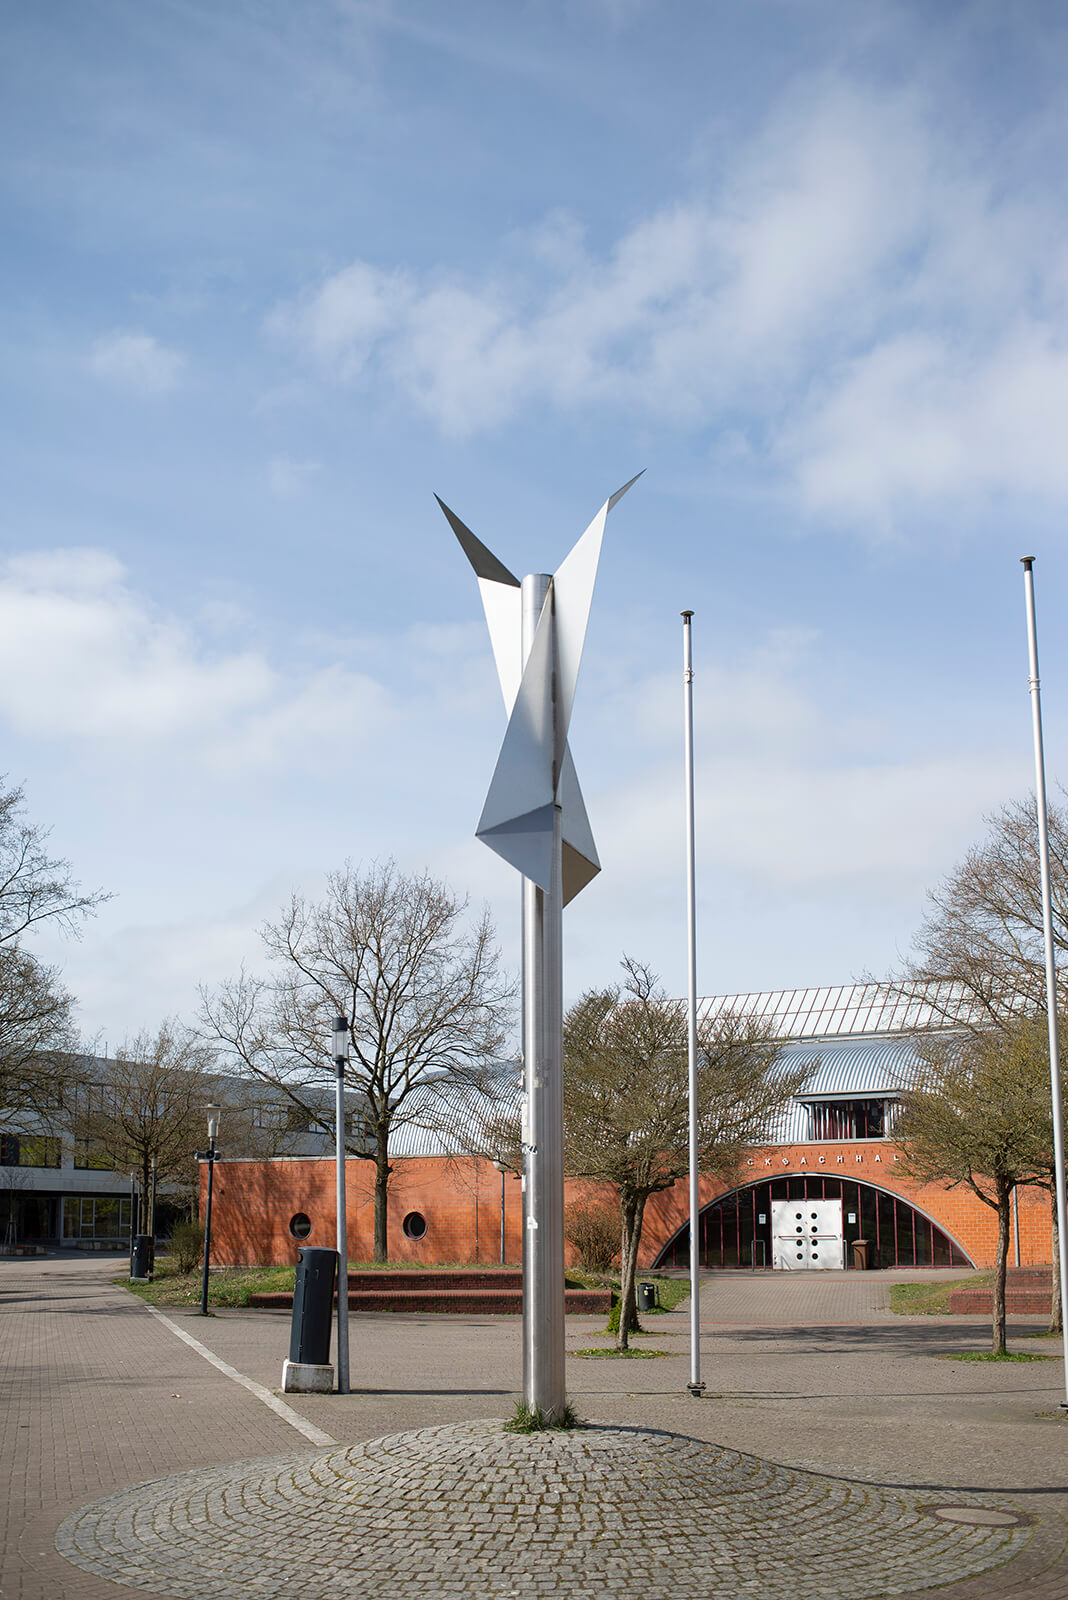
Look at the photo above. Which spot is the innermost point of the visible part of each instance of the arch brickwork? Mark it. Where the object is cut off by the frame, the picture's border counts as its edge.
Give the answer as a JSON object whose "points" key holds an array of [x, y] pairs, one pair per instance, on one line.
{"points": [[969, 1226]]}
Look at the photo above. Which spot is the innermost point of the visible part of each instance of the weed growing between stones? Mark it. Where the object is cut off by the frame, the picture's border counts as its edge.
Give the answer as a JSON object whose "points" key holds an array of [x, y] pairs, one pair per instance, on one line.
{"points": [[532, 1419]]}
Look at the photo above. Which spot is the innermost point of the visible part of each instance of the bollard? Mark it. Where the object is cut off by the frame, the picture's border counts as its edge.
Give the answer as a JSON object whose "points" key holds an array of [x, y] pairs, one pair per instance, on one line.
{"points": [[308, 1370], [142, 1257]]}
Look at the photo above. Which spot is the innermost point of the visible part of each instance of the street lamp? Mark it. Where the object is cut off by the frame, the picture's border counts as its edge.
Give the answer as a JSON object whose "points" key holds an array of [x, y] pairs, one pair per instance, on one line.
{"points": [[213, 1130], [341, 1056]]}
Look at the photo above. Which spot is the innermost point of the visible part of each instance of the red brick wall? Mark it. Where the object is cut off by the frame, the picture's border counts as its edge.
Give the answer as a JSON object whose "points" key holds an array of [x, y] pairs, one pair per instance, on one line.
{"points": [[461, 1201]]}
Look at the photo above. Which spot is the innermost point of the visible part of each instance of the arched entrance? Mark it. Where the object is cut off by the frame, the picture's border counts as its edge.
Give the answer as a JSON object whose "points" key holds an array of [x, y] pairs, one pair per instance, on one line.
{"points": [[739, 1229]]}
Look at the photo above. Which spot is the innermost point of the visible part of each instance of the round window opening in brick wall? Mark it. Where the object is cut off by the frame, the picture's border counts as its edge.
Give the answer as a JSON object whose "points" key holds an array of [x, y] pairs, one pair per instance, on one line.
{"points": [[414, 1225], [300, 1225]]}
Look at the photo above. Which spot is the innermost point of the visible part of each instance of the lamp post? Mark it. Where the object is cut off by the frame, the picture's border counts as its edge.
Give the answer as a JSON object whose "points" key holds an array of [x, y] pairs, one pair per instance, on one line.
{"points": [[213, 1130], [341, 1056]]}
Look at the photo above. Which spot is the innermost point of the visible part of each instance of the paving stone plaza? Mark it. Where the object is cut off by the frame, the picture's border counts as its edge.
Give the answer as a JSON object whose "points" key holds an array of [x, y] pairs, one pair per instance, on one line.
{"points": [[474, 1510], [839, 1454]]}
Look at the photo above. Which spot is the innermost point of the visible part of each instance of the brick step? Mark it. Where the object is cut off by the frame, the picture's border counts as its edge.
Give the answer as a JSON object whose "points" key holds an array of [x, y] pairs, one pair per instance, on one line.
{"points": [[460, 1278], [460, 1302], [1019, 1302]]}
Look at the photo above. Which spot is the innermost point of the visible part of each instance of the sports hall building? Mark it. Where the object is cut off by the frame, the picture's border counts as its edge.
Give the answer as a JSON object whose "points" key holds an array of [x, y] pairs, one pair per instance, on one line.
{"points": [[828, 1190]]}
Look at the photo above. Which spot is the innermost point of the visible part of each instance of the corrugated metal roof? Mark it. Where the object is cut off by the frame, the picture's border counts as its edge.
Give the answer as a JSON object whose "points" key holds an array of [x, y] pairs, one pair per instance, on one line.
{"points": [[445, 1118], [855, 1070], [846, 1010]]}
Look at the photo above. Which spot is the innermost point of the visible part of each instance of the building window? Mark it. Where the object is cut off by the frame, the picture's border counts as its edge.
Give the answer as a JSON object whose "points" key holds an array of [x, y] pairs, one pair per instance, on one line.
{"points": [[300, 1225], [96, 1217], [30, 1150], [414, 1225], [90, 1100], [736, 1229], [848, 1119]]}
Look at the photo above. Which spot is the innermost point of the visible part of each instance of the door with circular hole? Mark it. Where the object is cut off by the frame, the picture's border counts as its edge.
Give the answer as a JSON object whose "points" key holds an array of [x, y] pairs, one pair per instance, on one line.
{"points": [[807, 1234]]}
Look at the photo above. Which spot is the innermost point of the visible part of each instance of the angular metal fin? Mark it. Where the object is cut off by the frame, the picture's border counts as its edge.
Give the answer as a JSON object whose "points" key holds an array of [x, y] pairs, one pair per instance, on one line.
{"points": [[484, 561]]}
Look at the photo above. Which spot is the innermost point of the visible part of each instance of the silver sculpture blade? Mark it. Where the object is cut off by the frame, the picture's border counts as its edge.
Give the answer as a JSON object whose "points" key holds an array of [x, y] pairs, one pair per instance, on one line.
{"points": [[535, 770], [500, 593], [523, 786]]}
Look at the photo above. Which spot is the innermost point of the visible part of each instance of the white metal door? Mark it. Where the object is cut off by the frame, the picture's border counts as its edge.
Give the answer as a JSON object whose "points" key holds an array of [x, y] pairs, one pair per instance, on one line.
{"points": [[807, 1234]]}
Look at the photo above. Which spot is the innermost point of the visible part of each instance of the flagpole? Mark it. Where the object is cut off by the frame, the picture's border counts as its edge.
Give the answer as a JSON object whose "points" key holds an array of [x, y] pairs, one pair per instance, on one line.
{"points": [[1051, 967], [695, 1386]]}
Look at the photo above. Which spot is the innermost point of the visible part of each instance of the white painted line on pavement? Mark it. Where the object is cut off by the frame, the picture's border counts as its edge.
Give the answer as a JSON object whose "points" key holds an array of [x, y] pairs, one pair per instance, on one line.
{"points": [[287, 1414]]}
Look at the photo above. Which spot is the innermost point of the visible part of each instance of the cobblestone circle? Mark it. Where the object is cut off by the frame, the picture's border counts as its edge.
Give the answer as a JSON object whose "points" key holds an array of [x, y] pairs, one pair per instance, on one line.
{"points": [[469, 1509]]}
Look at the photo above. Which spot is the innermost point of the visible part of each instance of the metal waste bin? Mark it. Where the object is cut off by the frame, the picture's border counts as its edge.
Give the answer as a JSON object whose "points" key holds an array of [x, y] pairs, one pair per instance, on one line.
{"points": [[313, 1306], [861, 1253], [142, 1256], [648, 1297]]}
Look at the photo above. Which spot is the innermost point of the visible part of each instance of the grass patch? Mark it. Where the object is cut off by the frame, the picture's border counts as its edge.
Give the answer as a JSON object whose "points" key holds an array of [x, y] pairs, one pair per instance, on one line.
{"points": [[932, 1299], [671, 1292], [610, 1353], [989, 1355], [227, 1286], [531, 1419]]}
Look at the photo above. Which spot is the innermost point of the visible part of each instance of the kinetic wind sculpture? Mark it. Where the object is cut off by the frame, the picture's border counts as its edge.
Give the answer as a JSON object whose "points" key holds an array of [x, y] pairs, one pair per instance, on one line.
{"points": [[534, 816]]}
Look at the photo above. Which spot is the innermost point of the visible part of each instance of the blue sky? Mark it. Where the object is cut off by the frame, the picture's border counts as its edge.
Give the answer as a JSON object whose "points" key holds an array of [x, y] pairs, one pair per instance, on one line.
{"points": [[273, 276]]}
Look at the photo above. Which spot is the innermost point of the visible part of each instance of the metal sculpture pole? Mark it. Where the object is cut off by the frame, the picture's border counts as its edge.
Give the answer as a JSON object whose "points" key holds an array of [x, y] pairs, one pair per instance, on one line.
{"points": [[1051, 966], [535, 818], [695, 1386]]}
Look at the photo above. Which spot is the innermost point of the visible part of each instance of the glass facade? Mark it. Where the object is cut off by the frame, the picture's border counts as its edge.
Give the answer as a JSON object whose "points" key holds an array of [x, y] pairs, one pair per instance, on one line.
{"points": [[735, 1231], [96, 1217]]}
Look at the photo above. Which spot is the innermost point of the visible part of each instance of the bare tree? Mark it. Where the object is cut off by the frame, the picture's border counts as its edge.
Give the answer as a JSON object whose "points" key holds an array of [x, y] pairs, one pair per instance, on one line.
{"points": [[626, 1099], [145, 1111], [982, 936], [980, 947], [37, 1037], [37, 1041], [980, 1117], [34, 886], [395, 954]]}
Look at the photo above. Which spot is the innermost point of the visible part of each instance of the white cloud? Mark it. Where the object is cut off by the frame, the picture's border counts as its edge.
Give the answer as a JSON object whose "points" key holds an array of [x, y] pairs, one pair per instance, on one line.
{"points": [[136, 361], [871, 306], [286, 477], [918, 420], [84, 657]]}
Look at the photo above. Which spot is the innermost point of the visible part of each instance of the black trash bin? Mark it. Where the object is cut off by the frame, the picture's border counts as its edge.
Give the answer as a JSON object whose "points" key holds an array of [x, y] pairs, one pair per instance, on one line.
{"points": [[313, 1306], [142, 1256], [861, 1254], [648, 1297]]}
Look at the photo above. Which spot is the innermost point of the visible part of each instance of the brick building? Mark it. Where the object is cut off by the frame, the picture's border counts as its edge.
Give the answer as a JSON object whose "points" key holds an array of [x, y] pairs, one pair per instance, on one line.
{"points": [[830, 1176]]}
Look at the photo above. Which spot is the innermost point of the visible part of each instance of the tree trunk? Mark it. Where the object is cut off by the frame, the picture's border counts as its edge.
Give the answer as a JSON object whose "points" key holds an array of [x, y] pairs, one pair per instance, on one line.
{"points": [[1056, 1307], [1001, 1261], [146, 1178], [382, 1172], [633, 1210]]}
